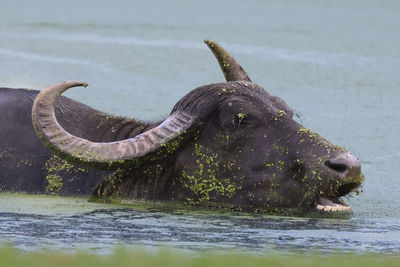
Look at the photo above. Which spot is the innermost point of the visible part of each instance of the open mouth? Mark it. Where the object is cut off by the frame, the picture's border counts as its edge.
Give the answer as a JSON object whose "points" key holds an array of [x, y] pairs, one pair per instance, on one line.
{"points": [[326, 205], [335, 204]]}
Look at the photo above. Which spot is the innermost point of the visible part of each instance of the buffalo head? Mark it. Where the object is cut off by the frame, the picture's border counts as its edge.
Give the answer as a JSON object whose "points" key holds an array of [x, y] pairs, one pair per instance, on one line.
{"points": [[228, 143]]}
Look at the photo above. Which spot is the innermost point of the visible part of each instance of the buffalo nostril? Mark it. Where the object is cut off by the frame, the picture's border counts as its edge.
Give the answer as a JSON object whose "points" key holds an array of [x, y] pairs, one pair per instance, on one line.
{"points": [[337, 166], [345, 163]]}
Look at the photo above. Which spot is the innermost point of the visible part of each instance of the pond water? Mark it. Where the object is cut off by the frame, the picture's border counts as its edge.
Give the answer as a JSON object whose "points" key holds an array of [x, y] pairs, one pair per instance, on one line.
{"points": [[336, 64], [40, 222]]}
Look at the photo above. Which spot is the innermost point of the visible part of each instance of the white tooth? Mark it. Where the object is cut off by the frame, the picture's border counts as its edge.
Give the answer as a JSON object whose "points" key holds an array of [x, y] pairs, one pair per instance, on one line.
{"points": [[327, 208], [325, 204], [344, 208]]}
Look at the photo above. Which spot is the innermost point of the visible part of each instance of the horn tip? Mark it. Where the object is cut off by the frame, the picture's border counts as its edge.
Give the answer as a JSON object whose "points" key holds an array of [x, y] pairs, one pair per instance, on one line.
{"points": [[209, 42], [69, 84]]}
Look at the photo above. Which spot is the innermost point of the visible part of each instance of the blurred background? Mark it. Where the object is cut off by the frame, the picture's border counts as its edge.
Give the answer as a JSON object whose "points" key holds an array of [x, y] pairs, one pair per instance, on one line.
{"points": [[336, 63]]}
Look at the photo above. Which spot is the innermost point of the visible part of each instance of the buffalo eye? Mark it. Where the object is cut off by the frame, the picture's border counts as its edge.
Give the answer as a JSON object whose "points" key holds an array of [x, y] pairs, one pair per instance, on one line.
{"points": [[237, 121], [240, 120], [237, 115]]}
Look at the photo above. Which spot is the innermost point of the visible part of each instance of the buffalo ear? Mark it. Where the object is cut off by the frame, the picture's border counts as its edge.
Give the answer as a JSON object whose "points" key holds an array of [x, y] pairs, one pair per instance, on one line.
{"points": [[231, 69]]}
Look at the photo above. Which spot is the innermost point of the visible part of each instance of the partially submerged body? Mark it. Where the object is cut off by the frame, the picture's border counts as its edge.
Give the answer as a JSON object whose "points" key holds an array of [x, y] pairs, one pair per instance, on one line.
{"points": [[229, 143]]}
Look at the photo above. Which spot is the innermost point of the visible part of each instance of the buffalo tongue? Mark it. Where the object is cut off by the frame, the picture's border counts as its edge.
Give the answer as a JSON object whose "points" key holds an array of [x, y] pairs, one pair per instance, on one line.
{"points": [[325, 204]]}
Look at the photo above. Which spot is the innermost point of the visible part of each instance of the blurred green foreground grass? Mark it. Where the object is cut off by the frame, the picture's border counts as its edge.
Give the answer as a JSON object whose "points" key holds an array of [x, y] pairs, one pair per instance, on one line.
{"points": [[163, 258]]}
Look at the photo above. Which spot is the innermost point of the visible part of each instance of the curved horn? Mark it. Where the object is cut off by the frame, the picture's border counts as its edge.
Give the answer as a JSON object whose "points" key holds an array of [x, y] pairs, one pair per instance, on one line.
{"points": [[231, 69], [100, 155]]}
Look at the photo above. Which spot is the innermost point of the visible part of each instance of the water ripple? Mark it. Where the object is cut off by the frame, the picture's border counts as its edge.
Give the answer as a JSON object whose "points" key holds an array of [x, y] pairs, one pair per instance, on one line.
{"points": [[196, 232]]}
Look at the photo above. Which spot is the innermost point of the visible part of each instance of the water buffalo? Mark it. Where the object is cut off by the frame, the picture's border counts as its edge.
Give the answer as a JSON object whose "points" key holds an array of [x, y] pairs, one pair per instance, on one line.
{"points": [[228, 143], [26, 165]]}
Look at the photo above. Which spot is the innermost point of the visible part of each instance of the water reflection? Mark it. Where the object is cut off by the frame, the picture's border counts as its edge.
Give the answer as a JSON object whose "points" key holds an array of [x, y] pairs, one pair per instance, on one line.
{"points": [[102, 229]]}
